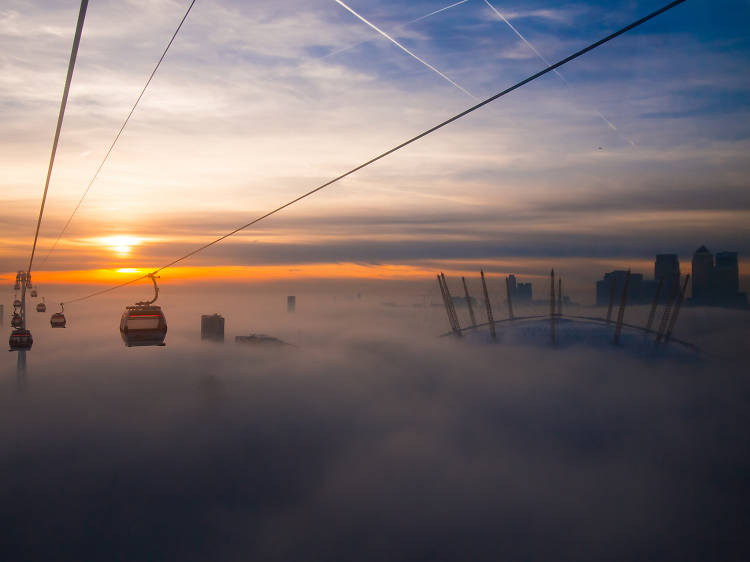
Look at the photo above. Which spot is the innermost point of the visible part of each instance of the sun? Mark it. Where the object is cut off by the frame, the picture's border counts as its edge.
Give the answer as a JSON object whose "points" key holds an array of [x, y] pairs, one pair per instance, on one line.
{"points": [[121, 245]]}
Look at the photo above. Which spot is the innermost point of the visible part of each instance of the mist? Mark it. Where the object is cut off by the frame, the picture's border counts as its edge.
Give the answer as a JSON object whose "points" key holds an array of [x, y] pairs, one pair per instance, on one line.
{"points": [[369, 437]]}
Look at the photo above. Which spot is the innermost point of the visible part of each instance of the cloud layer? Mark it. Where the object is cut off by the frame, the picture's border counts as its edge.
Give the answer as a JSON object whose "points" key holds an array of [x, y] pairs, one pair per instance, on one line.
{"points": [[370, 440]]}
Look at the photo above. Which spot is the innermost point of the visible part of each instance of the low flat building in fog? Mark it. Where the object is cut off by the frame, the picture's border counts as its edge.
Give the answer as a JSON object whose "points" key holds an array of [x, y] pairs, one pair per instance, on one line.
{"points": [[212, 327], [260, 340]]}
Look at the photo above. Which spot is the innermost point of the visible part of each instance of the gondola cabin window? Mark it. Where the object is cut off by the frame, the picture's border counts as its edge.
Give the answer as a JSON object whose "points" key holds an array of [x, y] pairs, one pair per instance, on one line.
{"points": [[143, 322]]}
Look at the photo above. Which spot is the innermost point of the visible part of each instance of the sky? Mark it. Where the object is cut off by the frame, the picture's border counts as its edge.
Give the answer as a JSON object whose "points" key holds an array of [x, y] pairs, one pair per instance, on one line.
{"points": [[637, 148]]}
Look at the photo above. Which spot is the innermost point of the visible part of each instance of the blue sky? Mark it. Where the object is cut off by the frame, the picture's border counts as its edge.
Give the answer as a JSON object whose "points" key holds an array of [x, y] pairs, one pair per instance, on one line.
{"points": [[258, 102]]}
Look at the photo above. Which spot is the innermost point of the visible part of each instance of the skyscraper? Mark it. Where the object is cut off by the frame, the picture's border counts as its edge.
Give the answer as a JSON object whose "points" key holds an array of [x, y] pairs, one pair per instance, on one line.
{"points": [[604, 287], [703, 267], [726, 274], [667, 267], [519, 291], [717, 282], [212, 327]]}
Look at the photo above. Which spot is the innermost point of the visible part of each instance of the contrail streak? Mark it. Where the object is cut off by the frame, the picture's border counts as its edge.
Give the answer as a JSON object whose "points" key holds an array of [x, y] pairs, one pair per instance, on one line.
{"points": [[403, 25], [400, 46], [546, 62], [529, 45], [436, 12]]}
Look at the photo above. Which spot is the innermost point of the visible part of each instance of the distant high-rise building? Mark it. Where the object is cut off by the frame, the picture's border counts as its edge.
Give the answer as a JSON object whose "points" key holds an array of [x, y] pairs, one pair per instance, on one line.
{"points": [[667, 267], [604, 287], [291, 303], [726, 274], [519, 291], [703, 267], [716, 282], [212, 327]]}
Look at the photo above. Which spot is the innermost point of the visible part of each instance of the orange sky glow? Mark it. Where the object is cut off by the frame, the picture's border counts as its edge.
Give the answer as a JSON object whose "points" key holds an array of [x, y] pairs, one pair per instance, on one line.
{"points": [[529, 269]]}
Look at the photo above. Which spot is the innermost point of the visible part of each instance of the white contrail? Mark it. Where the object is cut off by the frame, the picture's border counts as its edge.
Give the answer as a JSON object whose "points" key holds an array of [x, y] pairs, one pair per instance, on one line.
{"points": [[400, 46], [435, 12], [545, 61], [403, 25], [528, 44]]}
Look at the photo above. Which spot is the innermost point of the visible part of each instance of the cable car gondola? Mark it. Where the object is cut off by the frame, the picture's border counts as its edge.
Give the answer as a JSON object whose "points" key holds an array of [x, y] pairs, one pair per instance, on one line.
{"points": [[20, 340], [17, 286], [57, 320], [16, 320], [41, 307], [144, 323], [33, 293], [17, 303]]}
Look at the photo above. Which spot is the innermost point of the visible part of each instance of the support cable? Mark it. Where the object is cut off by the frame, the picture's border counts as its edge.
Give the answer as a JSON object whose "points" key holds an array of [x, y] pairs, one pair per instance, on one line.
{"points": [[117, 136], [61, 115], [429, 131]]}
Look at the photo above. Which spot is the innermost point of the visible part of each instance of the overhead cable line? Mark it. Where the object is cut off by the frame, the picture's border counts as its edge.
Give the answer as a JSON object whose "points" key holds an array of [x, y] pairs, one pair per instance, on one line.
{"points": [[117, 136], [456, 117], [60, 117]]}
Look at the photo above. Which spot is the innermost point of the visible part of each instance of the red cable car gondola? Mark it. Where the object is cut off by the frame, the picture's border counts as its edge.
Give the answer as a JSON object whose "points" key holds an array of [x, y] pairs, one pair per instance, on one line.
{"points": [[144, 323], [57, 320], [20, 340]]}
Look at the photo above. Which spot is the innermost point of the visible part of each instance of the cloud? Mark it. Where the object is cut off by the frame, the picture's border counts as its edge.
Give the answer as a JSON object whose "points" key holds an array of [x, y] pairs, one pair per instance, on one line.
{"points": [[370, 440]]}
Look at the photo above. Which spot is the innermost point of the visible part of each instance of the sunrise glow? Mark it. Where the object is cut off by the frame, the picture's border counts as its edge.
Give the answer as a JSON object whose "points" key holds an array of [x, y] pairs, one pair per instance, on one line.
{"points": [[120, 245]]}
